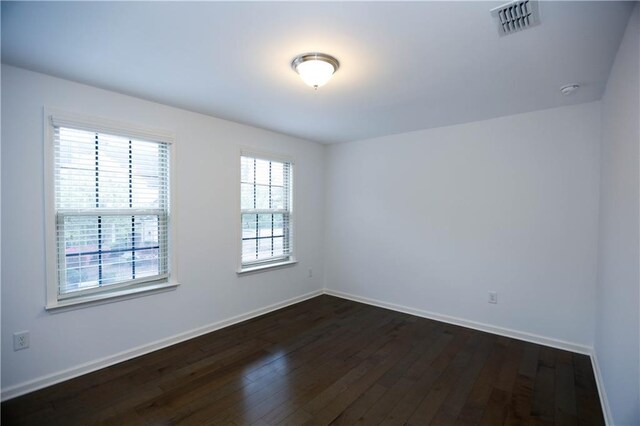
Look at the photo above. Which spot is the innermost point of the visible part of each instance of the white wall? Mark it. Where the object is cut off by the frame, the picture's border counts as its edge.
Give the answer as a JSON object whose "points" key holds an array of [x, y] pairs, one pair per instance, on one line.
{"points": [[430, 220], [617, 344], [434, 219], [207, 161]]}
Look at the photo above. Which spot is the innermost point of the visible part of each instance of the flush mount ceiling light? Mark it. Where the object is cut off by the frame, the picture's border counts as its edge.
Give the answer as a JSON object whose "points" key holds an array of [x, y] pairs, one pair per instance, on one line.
{"points": [[569, 89], [315, 69]]}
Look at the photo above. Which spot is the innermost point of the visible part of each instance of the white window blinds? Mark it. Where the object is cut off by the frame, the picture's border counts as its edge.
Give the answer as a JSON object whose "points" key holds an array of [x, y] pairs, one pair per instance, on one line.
{"points": [[112, 211], [266, 211]]}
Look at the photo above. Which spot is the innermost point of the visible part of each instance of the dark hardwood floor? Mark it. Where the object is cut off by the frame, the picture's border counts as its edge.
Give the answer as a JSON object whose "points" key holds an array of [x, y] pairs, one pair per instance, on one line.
{"points": [[329, 361]]}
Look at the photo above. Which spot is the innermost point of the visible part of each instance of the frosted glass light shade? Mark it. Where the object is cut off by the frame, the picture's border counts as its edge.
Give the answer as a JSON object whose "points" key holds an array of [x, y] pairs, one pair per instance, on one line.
{"points": [[315, 69]]}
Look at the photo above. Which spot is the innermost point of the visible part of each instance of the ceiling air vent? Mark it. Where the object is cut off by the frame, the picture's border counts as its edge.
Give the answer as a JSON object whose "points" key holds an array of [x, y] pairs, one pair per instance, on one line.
{"points": [[516, 16]]}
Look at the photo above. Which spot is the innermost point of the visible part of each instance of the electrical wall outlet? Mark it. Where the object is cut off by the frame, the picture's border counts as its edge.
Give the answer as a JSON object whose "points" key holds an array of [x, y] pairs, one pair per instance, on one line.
{"points": [[20, 340], [493, 297], [310, 272]]}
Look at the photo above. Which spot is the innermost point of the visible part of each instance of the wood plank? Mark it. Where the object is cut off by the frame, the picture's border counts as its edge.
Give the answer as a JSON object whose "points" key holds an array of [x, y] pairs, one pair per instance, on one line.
{"points": [[458, 394], [451, 371], [328, 361], [543, 408], [519, 409], [480, 394], [565, 398], [587, 399]]}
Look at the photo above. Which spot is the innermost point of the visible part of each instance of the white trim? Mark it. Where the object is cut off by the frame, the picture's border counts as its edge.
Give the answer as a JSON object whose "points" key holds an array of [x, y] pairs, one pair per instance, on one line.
{"points": [[265, 211], [502, 331], [55, 117], [101, 298], [246, 151], [88, 367], [238, 192], [111, 212], [266, 266], [51, 255], [604, 401], [172, 220]]}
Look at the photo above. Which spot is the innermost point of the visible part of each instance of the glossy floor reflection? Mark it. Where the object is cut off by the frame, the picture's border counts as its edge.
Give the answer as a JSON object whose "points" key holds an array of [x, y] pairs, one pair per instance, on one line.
{"points": [[329, 361]]}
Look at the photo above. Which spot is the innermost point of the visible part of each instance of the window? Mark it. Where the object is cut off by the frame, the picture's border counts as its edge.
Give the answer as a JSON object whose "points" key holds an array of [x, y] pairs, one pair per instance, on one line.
{"points": [[111, 205], [266, 212]]}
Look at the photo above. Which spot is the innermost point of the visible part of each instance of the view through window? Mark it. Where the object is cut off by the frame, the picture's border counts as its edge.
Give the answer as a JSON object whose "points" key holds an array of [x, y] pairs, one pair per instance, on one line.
{"points": [[111, 200], [266, 211]]}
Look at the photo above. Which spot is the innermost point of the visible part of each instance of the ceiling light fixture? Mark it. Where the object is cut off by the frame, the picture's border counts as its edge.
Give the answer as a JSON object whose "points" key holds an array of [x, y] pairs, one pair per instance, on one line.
{"points": [[315, 69], [569, 89]]}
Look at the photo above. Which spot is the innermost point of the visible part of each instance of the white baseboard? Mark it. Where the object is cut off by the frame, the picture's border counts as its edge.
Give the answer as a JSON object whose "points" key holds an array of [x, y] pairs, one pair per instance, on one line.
{"points": [[507, 332], [51, 379], [601, 390]]}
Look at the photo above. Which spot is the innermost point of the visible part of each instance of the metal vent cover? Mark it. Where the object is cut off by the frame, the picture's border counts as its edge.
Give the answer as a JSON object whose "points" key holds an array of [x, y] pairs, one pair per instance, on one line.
{"points": [[516, 16]]}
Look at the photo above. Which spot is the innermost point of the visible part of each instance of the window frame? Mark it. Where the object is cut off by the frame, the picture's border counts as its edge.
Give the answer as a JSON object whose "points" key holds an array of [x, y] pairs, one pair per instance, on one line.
{"points": [[243, 269], [135, 288]]}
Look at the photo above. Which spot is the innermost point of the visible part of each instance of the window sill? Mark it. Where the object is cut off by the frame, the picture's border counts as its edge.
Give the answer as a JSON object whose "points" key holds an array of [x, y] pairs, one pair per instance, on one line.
{"points": [[109, 297], [262, 268]]}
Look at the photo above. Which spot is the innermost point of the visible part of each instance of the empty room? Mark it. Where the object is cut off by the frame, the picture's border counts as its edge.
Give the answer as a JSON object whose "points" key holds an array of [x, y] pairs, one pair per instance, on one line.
{"points": [[314, 213]]}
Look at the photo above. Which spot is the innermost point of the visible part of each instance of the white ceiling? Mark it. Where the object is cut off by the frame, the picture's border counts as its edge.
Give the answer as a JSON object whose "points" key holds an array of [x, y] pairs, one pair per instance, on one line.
{"points": [[404, 66]]}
